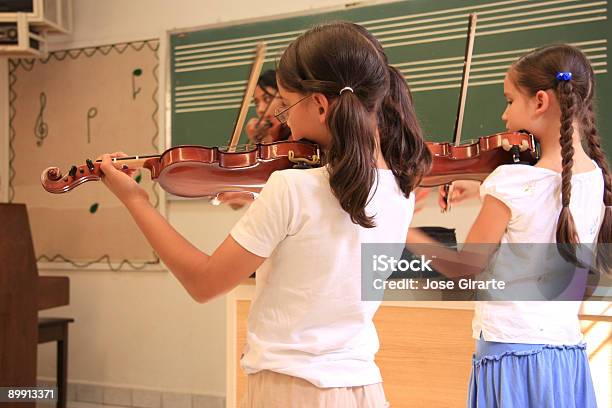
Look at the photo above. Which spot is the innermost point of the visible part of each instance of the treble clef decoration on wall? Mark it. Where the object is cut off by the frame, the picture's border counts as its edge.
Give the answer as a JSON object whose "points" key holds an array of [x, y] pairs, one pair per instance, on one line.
{"points": [[41, 129]]}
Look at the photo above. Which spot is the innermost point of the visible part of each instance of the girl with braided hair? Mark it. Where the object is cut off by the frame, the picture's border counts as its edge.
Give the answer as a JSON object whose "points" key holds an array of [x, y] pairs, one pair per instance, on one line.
{"points": [[531, 353]]}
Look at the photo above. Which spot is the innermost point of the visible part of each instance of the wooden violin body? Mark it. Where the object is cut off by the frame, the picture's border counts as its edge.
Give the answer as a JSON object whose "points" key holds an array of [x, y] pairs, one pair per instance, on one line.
{"points": [[197, 171], [475, 160], [200, 172]]}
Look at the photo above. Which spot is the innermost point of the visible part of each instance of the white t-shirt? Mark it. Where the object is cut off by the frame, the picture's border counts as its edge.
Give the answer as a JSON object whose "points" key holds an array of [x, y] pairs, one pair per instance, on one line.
{"points": [[307, 318], [533, 195]]}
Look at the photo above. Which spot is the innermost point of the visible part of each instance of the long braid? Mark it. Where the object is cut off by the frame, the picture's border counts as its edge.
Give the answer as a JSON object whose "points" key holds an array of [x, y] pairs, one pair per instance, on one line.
{"points": [[567, 236], [566, 70], [591, 135]]}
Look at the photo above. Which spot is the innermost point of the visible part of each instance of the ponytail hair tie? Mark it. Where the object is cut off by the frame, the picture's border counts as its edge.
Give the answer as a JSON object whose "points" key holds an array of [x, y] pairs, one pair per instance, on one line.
{"points": [[346, 88], [564, 76]]}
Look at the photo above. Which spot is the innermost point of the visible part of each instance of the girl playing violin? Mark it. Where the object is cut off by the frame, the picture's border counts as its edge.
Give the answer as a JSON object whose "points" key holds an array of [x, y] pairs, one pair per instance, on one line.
{"points": [[531, 354], [310, 338], [265, 128]]}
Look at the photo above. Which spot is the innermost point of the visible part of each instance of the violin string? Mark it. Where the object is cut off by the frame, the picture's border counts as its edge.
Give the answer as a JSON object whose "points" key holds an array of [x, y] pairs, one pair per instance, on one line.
{"points": [[146, 156]]}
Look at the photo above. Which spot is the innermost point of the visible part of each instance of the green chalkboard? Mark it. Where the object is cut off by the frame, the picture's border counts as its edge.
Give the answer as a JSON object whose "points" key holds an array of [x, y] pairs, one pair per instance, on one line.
{"points": [[425, 39]]}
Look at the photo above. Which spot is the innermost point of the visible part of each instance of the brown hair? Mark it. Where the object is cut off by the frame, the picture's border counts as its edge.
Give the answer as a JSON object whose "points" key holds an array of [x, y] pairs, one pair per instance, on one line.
{"points": [[330, 57], [538, 71]]}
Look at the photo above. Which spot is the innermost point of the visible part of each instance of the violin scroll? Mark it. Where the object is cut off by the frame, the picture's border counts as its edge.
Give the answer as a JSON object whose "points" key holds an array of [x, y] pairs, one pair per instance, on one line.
{"points": [[54, 181], [52, 173]]}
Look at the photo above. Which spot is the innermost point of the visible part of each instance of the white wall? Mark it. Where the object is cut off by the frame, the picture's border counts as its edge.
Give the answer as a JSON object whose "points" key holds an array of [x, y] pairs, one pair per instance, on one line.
{"points": [[101, 21], [141, 329]]}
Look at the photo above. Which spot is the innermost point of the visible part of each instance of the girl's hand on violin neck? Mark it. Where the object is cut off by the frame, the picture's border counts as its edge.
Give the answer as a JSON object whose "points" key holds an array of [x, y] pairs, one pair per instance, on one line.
{"points": [[121, 183], [462, 190]]}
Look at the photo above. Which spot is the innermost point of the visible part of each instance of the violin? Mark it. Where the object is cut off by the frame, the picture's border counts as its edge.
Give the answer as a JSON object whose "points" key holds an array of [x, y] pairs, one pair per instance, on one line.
{"points": [[198, 171], [201, 171], [475, 160]]}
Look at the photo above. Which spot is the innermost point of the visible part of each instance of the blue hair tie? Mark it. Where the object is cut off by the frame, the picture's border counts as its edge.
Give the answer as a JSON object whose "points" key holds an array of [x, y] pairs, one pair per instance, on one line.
{"points": [[564, 76]]}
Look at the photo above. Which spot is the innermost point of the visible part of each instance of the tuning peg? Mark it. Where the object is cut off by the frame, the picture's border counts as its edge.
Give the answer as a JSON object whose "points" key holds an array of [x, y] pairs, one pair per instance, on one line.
{"points": [[90, 165], [72, 172]]}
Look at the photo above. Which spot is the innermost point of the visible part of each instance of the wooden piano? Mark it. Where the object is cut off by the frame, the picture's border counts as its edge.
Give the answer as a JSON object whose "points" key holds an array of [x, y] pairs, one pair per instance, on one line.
{"points": [[22, 294]]}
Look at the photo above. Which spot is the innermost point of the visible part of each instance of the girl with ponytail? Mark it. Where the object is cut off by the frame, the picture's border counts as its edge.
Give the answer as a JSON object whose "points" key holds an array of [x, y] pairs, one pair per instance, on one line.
{"points": [[531, 354], [310, 338], [361, 114]]}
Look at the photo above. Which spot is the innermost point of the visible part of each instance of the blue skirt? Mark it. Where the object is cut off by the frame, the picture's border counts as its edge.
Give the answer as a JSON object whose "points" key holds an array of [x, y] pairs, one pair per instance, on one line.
{"points": [[511, 375]]}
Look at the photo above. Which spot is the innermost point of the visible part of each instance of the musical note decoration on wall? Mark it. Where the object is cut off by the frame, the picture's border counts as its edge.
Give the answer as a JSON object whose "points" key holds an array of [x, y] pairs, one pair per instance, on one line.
{"points": [[91, 113], [136, 73]]}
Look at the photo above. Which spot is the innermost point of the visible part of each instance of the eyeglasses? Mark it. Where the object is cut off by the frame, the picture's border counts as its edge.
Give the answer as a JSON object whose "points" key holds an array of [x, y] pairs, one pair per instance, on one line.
{"points": [[282, 112]]}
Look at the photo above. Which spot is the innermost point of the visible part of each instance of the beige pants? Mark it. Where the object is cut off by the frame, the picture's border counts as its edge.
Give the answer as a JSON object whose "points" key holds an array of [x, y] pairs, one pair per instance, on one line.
{"points": [[267, 389]]}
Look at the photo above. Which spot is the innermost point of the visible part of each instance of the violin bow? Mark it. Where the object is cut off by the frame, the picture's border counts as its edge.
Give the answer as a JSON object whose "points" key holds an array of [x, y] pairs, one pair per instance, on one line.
{"points": [[467, 63], [260, 53]]}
